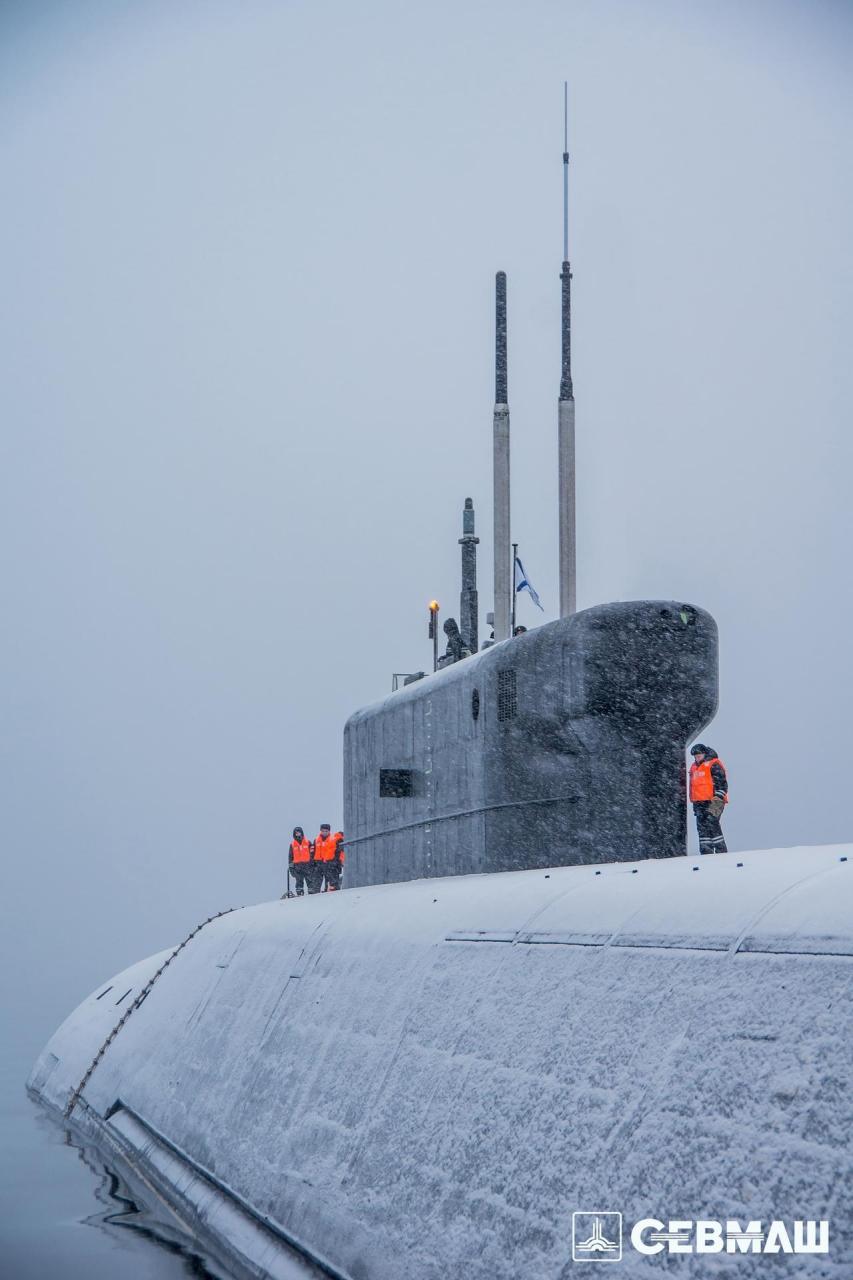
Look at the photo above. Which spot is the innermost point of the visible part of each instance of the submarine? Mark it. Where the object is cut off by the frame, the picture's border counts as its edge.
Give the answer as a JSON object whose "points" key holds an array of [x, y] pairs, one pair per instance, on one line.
{"points": [[528, 1007]]}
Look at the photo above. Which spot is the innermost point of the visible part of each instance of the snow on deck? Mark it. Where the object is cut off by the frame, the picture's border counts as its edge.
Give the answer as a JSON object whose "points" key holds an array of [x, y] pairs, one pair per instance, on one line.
{"points": [[427, 1079]]}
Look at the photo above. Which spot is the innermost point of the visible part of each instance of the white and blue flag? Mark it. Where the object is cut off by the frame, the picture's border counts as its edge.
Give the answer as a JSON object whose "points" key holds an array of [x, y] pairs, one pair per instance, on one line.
{"points": [[522, 583]]}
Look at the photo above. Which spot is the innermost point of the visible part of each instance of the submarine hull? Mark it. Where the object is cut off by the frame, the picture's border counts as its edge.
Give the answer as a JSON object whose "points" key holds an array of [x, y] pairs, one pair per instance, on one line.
{"points": [[428, 1079]]}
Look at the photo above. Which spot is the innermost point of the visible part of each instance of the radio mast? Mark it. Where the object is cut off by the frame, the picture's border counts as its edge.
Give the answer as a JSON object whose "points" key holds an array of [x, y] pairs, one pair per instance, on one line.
{"points": [[501, 467], [566, 409]]}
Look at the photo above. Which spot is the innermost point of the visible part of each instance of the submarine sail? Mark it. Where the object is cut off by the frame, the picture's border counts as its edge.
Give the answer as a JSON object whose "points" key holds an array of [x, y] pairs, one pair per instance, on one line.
{"points": [[563, 745]]}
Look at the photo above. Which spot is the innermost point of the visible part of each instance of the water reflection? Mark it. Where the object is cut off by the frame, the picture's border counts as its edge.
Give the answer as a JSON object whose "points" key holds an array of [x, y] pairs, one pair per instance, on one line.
{"points": [[125, 1211]]}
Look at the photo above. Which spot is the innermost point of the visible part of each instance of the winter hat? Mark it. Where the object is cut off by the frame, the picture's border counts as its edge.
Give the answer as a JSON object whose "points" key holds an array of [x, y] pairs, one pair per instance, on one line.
{"points": [[324, 826], [701, 749], [297, 831]]}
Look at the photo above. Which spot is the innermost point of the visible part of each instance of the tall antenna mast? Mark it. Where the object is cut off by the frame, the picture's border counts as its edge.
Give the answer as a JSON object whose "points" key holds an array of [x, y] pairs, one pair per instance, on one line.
{"points": [[566, 408], [500, 467], [565, 170]]}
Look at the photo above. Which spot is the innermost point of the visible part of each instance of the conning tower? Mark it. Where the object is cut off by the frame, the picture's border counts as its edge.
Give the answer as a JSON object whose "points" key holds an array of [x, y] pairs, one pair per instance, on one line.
{"points": [[564, 745]]}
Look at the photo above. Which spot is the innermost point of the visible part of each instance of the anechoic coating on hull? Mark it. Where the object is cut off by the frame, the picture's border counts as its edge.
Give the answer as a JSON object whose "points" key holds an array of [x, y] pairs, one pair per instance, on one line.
{"points": [[427, 1079], [560, 746]]}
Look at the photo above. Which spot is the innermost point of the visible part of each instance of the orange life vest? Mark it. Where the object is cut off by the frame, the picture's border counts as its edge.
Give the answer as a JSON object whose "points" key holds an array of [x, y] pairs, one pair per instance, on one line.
{"points": [[300, 850], [701, 782], [326, 847]]}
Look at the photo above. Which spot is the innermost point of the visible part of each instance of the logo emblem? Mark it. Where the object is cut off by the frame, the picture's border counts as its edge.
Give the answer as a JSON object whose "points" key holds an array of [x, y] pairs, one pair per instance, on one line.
{"points": [[596, 1237]]}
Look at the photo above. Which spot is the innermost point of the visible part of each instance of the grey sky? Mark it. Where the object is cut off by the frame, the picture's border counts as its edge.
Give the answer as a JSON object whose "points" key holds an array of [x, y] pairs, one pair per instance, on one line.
{"points": [[248, 264]]}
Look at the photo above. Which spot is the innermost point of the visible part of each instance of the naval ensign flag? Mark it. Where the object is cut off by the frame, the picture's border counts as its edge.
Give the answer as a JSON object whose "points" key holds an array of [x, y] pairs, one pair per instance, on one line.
{"points": [[522, 584]]}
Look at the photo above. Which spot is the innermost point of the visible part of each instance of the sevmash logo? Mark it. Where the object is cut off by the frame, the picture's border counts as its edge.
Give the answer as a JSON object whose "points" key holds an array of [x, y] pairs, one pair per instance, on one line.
{"points": [[684, 1235], [596, 1237]]}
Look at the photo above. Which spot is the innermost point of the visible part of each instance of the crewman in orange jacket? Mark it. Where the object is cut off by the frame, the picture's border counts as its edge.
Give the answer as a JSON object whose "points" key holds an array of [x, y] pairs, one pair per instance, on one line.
{"points": [[300, 862], [329, 856], [709, 795]]}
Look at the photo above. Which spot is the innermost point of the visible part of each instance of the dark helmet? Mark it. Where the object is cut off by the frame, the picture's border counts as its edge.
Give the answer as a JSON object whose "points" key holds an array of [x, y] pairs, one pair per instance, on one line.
{"points": [[701, 750]]}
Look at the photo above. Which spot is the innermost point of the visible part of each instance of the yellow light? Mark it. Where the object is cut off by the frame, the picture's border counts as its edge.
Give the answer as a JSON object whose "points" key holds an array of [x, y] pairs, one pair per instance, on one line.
{"points": [[433, 606]]}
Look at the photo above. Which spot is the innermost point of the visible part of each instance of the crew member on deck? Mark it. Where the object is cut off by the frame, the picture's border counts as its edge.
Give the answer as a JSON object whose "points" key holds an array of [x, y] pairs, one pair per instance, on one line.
{"points": [[709, 795], [329, 856], [300, 861]]}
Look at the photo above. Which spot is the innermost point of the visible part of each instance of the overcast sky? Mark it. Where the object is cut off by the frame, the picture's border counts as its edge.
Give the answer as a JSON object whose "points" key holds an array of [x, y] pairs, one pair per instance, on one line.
{"points": [[248, 256]]}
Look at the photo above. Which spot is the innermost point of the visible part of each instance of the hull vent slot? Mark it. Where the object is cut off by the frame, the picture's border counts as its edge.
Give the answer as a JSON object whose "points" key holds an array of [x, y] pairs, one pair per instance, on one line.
{"points": [[507, 695]]}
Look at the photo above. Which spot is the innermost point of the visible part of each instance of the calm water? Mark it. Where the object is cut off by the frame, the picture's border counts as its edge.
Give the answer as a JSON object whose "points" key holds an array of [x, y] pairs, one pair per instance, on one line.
{"points": [[64, 1214]]}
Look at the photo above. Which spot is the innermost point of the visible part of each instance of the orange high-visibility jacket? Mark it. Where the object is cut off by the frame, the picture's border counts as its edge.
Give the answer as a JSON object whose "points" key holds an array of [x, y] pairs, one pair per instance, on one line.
{"points": [[300, 850], [702, 783], [326, 847]]}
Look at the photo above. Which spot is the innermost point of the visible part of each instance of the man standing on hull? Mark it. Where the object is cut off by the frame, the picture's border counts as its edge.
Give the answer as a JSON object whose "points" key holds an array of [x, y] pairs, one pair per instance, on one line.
{"points": [[300, 862], [709, 795], [329, 856]]}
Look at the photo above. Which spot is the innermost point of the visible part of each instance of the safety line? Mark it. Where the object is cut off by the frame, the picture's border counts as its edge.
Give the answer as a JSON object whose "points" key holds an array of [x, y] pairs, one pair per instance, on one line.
{"points": [[75, 1097], [461, 813]]}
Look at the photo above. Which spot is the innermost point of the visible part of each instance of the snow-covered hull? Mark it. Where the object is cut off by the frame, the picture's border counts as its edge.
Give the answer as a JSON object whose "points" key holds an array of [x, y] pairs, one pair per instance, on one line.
{"points": [[428, 1079]]}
